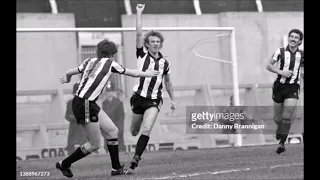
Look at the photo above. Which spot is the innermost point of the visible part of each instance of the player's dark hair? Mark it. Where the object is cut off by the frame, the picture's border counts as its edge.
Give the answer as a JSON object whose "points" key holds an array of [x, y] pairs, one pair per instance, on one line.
{"points": [[153, 33], [106, 48], [298, 32]]}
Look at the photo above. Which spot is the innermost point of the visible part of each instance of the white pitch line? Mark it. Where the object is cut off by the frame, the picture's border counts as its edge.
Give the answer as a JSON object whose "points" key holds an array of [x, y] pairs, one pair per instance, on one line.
{"points": [[286, 165], [226, 171]]}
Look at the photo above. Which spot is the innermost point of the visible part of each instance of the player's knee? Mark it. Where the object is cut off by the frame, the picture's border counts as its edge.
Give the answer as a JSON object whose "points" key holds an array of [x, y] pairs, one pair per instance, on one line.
{"points": [[277, 120], [146, 131], [90, 147], [114, 133], [134, 132], [286, 120], [286, 116]]}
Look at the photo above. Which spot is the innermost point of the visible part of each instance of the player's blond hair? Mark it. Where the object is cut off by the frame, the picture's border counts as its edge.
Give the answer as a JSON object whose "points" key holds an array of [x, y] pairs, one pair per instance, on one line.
{"points": [[153, 33]]}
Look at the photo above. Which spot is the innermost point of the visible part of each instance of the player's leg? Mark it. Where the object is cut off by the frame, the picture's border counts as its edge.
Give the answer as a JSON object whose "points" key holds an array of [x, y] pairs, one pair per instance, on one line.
{"points": [[136, 123], [81, 109], [136, 103], [110, 131], [288, 112], [92, 133], [278, 112], [291, 94], [278, 99], [149, 118], [91, 130]]}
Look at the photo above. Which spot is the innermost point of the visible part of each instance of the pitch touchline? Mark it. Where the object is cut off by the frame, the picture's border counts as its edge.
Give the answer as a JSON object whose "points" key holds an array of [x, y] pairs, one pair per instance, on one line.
{"points": [[226, 171]]}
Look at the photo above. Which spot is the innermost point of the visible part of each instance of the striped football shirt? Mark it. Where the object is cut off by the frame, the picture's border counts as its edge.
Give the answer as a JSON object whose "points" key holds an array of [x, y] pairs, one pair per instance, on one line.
{"points": [[150, 87], [288, 60], [95, 75]]}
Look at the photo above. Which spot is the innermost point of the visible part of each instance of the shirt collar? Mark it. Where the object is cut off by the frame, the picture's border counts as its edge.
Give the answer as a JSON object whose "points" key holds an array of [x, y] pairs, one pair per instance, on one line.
{"points": [[288, 49], [160, 56]]}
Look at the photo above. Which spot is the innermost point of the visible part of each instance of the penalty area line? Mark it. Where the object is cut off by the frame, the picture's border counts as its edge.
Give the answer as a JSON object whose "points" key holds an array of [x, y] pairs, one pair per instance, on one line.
{"points": [[174, 176]]}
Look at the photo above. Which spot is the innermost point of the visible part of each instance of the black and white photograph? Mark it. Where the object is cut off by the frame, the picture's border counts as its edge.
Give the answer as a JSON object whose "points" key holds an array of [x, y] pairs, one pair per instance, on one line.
{"points": [[160, 89]]}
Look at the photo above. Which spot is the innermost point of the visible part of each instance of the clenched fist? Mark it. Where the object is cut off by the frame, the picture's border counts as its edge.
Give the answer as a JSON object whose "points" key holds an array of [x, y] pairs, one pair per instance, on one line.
{"points": [[140, 8], [287, 73]]}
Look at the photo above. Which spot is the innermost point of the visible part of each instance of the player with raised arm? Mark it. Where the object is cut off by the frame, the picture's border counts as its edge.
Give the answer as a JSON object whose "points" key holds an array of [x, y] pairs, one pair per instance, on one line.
{"points": [[146, 100], [286, 88], [95, 75]]}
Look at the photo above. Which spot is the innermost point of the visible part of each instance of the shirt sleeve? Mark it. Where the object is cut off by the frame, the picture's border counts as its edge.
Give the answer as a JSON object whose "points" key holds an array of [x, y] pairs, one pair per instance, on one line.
{"points": [[276, 55], [83, 65], [141, 52], [167, 69], [117, 68]]}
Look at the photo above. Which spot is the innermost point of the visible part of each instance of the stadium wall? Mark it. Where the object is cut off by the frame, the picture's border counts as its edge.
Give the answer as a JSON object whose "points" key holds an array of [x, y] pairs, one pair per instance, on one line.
{"points": [[42, 58], [258, 35]]}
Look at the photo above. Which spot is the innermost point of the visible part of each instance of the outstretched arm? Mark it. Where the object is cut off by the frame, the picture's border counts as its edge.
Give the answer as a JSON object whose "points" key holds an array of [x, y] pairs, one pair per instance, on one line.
{"points": [[139, 40], [138, 73], [117, 68], [67, 77]]}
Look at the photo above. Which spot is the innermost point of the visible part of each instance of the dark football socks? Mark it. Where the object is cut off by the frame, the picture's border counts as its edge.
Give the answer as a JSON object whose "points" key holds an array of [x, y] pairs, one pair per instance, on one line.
{"points": [[114, 153], [286, 124], [78, 154], [141, 144]]}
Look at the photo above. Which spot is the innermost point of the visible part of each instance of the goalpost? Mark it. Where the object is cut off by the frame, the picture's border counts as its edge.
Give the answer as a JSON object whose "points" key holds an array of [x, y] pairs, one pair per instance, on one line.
{"points": [[233, 55]]}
